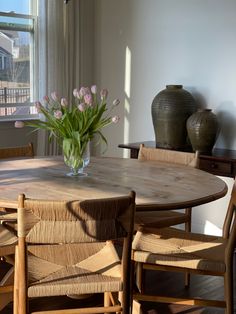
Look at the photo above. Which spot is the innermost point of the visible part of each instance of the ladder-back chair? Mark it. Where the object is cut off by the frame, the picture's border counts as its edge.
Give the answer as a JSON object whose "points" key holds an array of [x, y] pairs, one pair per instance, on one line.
{"points": [[15, 152], [67, 247], [8, 218], [169, 249], [148, 214]]}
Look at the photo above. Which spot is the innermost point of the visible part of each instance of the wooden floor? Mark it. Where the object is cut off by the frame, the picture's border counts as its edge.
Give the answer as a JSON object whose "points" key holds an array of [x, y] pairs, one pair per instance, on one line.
{"points": [[161, 282], [173, 284]]}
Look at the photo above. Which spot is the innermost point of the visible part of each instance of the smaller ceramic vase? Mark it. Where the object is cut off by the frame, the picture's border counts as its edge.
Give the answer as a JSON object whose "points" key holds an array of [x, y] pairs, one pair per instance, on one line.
{"points": [[202, 127]]}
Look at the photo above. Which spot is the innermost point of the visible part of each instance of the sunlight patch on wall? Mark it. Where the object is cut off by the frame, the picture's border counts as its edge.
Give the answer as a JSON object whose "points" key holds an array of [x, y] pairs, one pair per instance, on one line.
{"points": [[127, 71], [212, 229], [127, 97]]}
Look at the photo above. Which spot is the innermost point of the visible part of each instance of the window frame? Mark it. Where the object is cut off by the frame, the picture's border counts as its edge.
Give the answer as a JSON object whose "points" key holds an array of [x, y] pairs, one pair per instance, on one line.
{"points": [[33, 56]]}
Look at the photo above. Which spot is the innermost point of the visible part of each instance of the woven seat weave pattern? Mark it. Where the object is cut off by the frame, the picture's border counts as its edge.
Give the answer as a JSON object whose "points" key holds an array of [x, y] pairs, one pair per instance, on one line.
{"points": [[163, 155], [172, 247], [68, 269]]}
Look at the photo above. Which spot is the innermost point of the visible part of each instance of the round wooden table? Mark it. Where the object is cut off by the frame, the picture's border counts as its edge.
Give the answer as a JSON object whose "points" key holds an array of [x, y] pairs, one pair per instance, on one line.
{"points": [[166, 185]]}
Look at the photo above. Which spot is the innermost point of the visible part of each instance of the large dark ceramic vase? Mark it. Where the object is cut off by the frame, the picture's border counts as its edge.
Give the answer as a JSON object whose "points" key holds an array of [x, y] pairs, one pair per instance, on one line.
{"points": [[202, 129], [170, 111]]}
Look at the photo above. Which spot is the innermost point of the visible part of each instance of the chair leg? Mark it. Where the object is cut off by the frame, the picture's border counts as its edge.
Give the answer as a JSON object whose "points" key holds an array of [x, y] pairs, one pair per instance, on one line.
{"points": [[188, 211], [16, 288], [107, 300], [187, 280], [22, 280], [139, 276], [228, 285]]}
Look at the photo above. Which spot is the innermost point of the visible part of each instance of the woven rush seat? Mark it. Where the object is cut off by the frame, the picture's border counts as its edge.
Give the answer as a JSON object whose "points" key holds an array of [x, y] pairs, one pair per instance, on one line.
{"points": [[172, 247], [78, 273]]}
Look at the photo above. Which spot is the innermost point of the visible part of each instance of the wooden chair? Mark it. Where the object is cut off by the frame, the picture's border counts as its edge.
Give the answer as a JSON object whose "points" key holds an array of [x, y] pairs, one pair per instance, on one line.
{"points": [[14, 152], [148, 214], [169, 249], [8, 239], [70, 250]]}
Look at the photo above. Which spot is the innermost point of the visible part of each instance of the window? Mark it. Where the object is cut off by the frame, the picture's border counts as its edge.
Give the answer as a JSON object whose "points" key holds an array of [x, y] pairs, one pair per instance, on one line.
{"points": [[17, 60]]}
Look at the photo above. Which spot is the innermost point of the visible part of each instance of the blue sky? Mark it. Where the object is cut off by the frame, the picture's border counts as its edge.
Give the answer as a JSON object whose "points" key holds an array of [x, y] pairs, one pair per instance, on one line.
{"points": [[18, 6]]}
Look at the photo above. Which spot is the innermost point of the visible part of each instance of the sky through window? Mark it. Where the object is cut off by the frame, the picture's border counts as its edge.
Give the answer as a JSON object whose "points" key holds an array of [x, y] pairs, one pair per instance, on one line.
{"points": [[17, 6]]}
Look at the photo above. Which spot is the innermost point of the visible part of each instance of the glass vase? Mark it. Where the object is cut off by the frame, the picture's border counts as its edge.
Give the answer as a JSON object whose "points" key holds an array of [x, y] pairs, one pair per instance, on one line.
{"points": [[77, 161]]}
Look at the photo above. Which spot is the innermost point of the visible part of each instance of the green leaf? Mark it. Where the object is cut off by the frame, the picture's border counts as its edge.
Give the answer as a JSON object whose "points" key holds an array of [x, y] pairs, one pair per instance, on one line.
{"points": [[75, 128]]}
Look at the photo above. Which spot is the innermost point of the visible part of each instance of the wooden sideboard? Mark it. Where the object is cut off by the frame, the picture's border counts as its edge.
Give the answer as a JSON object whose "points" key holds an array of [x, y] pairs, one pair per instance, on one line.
{"points": [[221, 162]]}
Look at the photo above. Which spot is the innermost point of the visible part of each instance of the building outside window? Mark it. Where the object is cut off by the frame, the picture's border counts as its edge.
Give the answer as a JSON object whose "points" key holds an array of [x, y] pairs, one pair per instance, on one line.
{"points": [[18, 62]]}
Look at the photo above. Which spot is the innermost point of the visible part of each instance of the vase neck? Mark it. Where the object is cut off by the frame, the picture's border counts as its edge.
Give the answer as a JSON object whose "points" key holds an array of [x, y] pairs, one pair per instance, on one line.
{"points": [[174, 86], [204, 110]]}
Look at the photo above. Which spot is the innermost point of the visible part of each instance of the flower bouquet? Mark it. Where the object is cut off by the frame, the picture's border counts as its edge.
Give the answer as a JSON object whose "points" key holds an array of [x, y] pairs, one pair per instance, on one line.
{"points": [[75, 126]]}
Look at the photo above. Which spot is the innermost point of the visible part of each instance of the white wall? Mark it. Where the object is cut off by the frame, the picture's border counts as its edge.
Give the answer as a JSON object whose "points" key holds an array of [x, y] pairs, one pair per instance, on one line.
{"points": [[169, 42], [143, 45], [10, 136]]}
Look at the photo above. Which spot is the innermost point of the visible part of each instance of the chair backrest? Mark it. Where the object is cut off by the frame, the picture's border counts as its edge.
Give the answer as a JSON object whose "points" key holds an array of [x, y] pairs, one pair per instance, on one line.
{"points": [[44, 221], [171, 156], [75, 233], [14, 152], [229, 227]]}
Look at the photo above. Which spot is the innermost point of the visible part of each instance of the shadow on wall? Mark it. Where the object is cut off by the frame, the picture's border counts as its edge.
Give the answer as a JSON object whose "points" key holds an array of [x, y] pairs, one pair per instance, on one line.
{"points": [[226, 114], [199, 98]]}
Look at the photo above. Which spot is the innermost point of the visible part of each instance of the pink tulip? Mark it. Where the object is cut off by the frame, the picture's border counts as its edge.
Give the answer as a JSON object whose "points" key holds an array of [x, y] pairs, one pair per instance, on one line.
{"points": [[54, 96], [58, 114], [115, 119], [81, 107], [76, 93], [83, 91], [19, 124], [94, 89], [46, 99], [64, 102], [103, 94], [38, 106], [88, 99]]}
